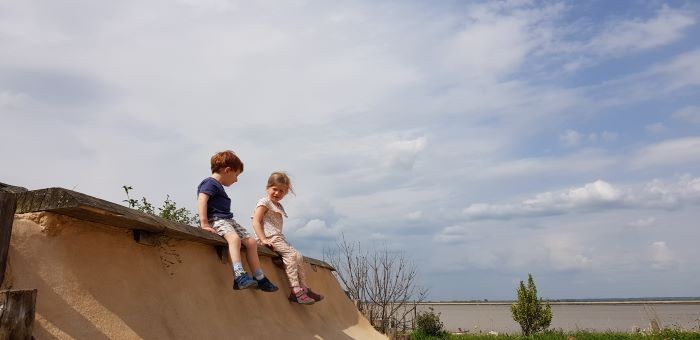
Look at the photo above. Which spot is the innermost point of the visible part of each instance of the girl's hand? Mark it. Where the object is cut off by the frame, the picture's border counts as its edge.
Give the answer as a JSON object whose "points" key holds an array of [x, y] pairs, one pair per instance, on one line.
{"points": [[267, 242]]}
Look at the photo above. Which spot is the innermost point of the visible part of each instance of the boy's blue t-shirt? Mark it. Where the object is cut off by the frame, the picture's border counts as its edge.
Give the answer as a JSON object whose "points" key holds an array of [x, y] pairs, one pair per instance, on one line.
{"points": [[219, 204]]}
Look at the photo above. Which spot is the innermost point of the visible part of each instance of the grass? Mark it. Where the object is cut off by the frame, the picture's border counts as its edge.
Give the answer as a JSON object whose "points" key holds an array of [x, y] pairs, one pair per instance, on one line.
{"points": [[665, 334]]}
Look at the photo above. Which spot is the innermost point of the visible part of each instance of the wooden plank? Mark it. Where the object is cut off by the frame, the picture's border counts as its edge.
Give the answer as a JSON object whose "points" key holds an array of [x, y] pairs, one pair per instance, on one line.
{"points": [[8, 202], [12, 188], [17, 309]]}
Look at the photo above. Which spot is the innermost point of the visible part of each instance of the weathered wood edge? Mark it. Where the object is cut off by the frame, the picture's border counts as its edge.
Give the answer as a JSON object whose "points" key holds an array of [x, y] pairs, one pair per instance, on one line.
{"points": [[87, 208], [17, 313], [8, 202]]}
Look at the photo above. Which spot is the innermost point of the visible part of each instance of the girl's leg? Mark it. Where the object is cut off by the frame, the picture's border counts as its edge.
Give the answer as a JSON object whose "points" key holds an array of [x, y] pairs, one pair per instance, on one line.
{"points": [[301, 273], [289, 258]]}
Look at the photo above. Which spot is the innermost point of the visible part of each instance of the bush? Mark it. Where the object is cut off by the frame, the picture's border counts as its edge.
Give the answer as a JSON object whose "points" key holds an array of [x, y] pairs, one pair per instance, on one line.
{"points": [[168, 210], [532, 314], [429, 323]]}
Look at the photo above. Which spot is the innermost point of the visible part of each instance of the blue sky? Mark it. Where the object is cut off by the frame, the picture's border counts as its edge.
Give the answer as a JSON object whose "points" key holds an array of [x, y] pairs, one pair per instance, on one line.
{"points": [[484, 139]]}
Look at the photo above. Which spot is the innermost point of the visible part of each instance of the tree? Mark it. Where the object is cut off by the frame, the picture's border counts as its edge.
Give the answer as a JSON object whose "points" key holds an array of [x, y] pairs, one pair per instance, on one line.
{"points": [[383, 282], [532, 314]]}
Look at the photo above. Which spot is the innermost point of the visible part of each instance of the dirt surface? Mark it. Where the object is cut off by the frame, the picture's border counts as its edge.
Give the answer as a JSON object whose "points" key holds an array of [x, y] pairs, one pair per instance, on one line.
{"points": [[96, 282]]}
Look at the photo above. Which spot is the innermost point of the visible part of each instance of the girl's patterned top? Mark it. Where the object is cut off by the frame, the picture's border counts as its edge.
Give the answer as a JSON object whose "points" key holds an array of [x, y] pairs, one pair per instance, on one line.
{"points": [[273, 218]]}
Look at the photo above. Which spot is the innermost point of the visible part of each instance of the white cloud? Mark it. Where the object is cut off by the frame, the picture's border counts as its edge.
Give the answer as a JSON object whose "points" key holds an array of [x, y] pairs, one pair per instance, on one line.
{"points": [[11, 100], [566, 253], [583, 163], [605, 136], [451, 235], [669, 152], [657, 128], [682, 71], [403, 154], [661, 256], [634, 35], [316, 229], [690, 114], [414, 216], [571, 138], [593, 197], [643, 223]]}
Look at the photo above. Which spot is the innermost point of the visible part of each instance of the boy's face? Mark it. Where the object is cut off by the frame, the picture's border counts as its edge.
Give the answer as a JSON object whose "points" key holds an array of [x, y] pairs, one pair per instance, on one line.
{"points": [[229, 176], [277, 192]]}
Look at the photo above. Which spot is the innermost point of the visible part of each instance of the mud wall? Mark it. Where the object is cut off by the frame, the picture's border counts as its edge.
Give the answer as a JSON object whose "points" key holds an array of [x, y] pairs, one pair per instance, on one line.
{"points": [[95, 282]]}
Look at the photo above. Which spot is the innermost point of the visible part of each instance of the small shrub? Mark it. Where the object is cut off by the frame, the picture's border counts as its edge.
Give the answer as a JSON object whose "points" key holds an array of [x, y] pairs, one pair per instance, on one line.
{"points": [[532, 314], [168, 211], [429, 323]]}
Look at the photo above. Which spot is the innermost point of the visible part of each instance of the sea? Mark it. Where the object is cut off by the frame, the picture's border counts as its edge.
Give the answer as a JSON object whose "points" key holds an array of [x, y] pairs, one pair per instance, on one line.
{"points": [[599, 316]]}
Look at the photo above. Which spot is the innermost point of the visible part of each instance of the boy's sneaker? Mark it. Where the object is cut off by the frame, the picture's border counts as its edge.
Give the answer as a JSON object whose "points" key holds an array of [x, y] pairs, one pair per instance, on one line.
{"points": [[265, 285], [244, 281]]}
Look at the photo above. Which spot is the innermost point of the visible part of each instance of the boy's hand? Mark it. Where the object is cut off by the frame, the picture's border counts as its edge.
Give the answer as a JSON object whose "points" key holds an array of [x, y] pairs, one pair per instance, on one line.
{"points": [[209, 229]]}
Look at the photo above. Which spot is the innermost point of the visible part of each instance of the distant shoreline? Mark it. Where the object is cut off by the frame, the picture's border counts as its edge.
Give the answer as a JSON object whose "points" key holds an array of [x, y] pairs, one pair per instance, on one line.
{"points": [[604, 301], [619, 302]]}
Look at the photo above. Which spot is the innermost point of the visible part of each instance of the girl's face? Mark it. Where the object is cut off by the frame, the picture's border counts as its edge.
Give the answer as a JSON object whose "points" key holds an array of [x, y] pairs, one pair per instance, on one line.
{"points": [[277, 192]]}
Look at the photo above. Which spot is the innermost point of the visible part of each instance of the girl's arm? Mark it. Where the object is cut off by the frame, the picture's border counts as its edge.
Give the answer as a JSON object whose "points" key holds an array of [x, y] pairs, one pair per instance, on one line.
{"points": [[202, 200], [258, 225]]}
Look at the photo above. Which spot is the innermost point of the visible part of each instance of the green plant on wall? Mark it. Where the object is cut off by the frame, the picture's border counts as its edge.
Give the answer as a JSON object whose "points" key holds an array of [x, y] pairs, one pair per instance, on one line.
{"points": [[531, 313], [168, 210]]}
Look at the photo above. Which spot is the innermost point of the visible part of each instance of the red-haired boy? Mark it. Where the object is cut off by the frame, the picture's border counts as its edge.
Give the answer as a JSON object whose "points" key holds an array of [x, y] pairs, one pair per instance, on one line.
{"points": [[214, 208]]}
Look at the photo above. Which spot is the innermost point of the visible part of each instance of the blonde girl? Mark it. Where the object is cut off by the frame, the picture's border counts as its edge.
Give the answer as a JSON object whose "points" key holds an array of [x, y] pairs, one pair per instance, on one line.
{"points": [[268, 219]]}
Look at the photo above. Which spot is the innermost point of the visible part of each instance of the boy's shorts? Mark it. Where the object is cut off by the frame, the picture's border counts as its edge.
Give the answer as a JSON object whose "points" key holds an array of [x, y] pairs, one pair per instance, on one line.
{"points": [[224, 227]]}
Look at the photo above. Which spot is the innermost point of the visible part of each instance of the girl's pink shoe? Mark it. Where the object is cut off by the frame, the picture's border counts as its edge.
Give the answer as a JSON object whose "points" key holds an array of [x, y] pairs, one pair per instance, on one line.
{"points": [[310, 293], [301, 298]]}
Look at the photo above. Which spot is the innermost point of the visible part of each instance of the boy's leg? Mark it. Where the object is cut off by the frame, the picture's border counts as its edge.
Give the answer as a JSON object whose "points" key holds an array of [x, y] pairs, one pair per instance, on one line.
{"points": [[264, 283], [226, 229], [234, 246], [251, 249]]}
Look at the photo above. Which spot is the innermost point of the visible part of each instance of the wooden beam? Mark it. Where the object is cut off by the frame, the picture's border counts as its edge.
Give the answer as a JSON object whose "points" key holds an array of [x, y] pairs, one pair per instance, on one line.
{"points": [[17, 309], [88, 208], [8, 202]]}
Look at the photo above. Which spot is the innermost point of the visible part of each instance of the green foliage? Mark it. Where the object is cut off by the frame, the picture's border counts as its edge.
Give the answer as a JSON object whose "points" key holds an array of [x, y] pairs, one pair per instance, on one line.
{"points": [[168, 210], [429, 323], [420, 335], [664, 334], [532, 314]]}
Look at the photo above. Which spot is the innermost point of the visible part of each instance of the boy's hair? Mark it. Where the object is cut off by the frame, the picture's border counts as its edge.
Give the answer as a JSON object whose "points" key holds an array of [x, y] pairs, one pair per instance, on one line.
{"points": [[280, 178], [224, 159]]}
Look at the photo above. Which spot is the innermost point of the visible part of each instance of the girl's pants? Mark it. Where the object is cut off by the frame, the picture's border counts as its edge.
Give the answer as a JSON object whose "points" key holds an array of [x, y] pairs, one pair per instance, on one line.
{"points": [[293, 260]]}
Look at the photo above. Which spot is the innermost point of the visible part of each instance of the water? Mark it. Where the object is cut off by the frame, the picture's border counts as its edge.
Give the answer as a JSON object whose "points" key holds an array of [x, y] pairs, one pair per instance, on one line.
{"points": [[596, 316]]}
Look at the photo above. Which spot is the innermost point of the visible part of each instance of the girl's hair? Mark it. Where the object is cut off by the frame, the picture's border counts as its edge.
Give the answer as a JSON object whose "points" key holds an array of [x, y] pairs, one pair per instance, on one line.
{"points": [[224, 159], [280, 178]]}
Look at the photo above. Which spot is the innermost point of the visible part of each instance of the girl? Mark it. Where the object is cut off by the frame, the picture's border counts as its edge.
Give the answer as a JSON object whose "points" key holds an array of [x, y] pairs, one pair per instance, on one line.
{"points": [[267, 222]]}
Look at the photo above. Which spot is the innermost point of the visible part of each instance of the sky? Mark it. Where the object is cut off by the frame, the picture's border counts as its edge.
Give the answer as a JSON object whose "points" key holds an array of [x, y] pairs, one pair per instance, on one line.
{"points": [[483, 140]]}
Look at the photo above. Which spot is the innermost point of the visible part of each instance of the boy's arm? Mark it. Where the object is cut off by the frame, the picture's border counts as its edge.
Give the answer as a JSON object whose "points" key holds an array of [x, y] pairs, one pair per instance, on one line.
{"points": [[258, 226], [202, 200]]}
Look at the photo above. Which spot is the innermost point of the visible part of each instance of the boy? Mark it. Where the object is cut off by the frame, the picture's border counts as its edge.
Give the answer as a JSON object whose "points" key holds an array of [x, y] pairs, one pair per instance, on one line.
{"points": [[214, 208]]}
